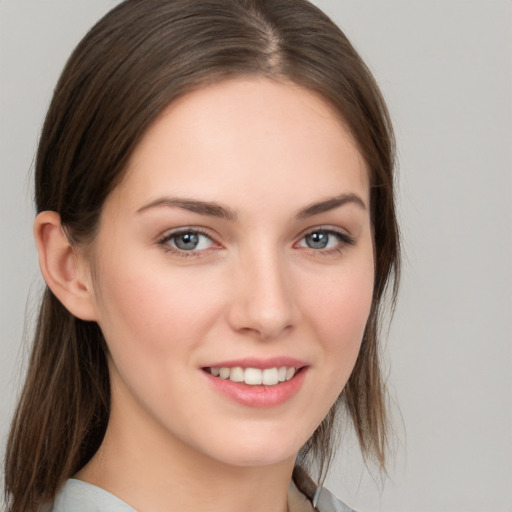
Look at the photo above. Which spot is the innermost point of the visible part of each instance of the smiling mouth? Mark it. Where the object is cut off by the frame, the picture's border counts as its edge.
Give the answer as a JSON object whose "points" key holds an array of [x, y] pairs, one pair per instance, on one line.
{"points": [[254, 376]]}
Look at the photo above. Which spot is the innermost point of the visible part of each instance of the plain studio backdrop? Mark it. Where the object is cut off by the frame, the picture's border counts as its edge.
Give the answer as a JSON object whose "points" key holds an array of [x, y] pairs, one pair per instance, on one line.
{"points": [[445, 68]]}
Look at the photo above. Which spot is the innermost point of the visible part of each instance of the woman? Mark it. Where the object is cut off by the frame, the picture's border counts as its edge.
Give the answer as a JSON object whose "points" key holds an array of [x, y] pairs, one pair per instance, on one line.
{"points": [[216, 227]]}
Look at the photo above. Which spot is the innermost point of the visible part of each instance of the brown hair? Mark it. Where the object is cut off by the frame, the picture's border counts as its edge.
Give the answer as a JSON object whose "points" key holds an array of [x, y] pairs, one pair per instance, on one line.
{"points": [[128, 68]]}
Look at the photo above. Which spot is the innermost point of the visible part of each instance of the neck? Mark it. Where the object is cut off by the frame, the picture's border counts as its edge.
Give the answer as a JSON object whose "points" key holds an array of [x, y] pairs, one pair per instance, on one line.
{"points": [[150, 470]]}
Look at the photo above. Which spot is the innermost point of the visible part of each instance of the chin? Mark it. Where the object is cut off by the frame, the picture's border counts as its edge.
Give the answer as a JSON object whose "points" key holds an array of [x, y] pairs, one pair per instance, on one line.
{"points": [[258, 450]]}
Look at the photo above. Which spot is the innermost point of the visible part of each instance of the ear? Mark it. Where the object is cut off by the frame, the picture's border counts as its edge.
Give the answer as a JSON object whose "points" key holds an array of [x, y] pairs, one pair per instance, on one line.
{"points": [[65, 271]]}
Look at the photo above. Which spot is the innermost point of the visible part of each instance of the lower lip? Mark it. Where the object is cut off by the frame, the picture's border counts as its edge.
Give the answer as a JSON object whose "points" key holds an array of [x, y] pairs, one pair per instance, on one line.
{"points": [[258, 396]]}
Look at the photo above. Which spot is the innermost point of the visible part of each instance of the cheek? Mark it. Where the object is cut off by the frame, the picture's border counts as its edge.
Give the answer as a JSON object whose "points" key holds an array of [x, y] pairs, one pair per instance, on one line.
{"points": [[340, 314], [153, 322], [152, 312]]}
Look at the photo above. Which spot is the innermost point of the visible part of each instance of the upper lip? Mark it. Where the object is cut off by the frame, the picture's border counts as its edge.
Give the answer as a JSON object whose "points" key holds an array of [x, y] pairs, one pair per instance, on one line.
{"points": [[262, 364]]}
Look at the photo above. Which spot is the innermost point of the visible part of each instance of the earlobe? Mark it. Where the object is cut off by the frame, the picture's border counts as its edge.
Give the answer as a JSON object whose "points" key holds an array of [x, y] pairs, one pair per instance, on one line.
{"points": [[62, 268]]}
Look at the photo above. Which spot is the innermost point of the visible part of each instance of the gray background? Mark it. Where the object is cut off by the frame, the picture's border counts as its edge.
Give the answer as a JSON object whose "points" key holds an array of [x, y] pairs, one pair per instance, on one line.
{"points": [[445, 68]]}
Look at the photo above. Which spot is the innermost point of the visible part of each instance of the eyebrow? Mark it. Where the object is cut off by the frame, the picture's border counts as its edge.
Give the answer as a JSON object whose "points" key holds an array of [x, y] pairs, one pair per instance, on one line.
{"points": [[213, 209], [192, 205], [331, 204]]}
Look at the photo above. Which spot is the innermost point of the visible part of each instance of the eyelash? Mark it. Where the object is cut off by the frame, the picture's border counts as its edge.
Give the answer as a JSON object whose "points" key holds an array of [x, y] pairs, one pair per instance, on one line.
{"points": [[344, 240], [164, 242]]}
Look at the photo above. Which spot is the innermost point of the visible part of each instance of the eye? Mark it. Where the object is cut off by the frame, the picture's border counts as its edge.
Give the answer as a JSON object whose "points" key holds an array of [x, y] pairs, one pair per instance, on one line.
{"points": [[189, 240], [325, 240]]}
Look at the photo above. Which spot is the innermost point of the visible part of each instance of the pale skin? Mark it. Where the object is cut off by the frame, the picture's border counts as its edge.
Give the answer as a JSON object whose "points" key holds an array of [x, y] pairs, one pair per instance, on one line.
{"points": [[282, 266]]}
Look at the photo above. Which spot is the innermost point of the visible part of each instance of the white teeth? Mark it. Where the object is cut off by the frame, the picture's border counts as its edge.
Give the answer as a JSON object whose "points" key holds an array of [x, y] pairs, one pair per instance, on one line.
{"points": [[254, 376], [270, 377], [224, 373], [237, 374]]}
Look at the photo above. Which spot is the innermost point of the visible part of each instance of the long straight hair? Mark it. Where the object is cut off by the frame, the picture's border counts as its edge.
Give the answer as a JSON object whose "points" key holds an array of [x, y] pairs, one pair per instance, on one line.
{"points": [[128, 68]]}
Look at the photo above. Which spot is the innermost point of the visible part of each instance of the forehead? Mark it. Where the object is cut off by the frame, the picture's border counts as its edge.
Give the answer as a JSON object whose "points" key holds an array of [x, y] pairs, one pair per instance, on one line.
{"points": [[245, 137]]}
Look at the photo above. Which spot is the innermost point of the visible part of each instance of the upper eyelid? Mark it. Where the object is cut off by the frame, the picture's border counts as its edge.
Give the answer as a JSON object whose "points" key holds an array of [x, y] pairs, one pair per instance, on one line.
{"points": [[169, 233], [327, 228]]}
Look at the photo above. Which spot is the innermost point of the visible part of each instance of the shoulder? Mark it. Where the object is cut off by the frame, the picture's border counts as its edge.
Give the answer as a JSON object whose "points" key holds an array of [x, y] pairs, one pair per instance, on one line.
{"points": [[78, 496], [321, 498]]}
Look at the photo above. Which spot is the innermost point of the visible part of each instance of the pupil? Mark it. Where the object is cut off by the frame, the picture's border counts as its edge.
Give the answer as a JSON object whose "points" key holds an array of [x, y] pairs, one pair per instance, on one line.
{"points": [[317, 240], [187, 241]]}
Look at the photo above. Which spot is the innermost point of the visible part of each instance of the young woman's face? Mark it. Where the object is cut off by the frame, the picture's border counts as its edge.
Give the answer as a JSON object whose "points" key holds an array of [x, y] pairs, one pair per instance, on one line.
{"points": [[239, 243]]}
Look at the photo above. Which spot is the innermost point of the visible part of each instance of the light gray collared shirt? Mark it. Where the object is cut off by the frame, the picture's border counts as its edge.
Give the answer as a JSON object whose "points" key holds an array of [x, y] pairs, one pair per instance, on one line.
{"points": [[78, 496]]}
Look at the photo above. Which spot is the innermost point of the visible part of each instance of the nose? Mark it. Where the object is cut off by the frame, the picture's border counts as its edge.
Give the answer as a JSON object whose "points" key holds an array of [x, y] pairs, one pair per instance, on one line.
{"points": [[263, 302]]}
